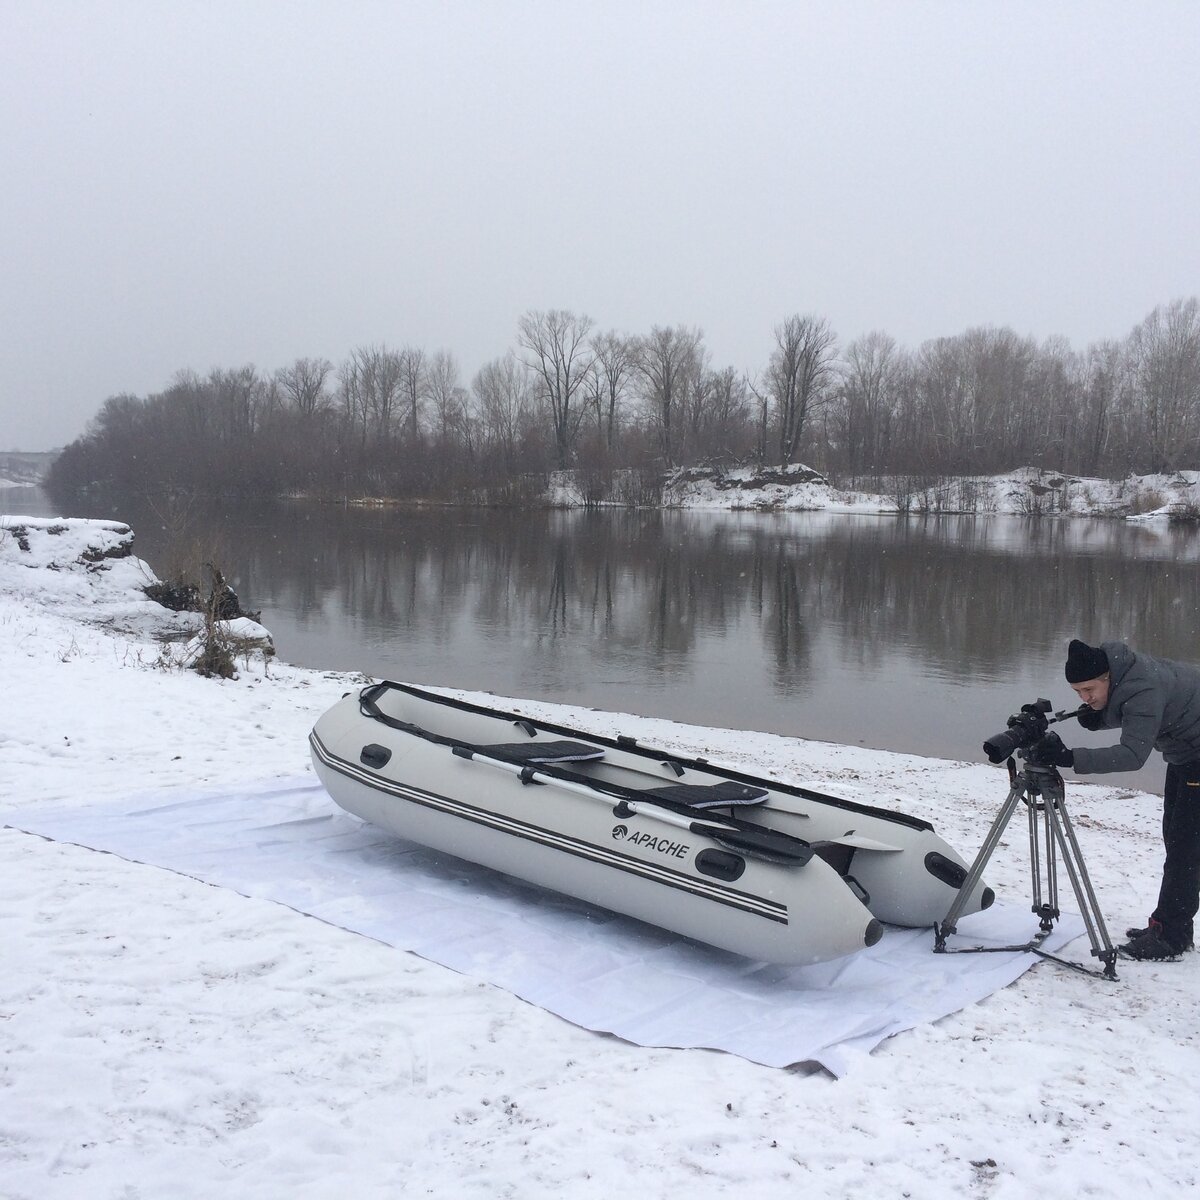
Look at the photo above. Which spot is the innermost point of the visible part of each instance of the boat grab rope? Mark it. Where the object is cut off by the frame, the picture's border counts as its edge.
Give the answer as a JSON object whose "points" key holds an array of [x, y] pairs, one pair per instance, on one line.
{"points": [[630, 745], [756, 840]]}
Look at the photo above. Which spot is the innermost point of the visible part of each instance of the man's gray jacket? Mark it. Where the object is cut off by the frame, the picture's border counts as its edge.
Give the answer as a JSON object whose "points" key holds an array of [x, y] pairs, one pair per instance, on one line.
{"points": [[1155, 703]]}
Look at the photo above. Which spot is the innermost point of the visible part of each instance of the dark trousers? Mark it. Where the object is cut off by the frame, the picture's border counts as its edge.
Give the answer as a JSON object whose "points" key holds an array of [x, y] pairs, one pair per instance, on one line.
{"points": [[1179, 896]]}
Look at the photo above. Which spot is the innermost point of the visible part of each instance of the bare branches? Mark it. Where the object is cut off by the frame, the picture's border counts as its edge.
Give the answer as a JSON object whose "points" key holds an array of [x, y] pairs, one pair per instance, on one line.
{"points": [[303, 385], [614, 362], [799, 377], [664, 358], [398, 423], [502, 391], [559, 353]]}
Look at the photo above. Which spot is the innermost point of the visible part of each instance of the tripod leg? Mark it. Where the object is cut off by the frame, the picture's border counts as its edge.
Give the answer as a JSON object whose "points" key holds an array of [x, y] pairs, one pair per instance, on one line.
{"points": [[1035, 855], [950, 922], [1050, 913], [1085, 895]]}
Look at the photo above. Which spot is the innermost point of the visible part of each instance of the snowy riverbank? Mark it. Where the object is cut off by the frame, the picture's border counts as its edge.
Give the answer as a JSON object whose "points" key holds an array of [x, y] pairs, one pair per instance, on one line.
{"points": [[164, 1037], [1027, 491]]}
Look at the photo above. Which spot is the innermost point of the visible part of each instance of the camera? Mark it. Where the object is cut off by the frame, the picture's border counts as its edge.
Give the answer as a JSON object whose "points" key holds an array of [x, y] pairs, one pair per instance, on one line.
{"points": [[1024, 729]]}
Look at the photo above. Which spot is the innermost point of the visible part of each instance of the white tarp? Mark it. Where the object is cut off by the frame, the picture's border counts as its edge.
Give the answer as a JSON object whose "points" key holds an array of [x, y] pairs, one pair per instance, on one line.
{"points": [[288, 842]]}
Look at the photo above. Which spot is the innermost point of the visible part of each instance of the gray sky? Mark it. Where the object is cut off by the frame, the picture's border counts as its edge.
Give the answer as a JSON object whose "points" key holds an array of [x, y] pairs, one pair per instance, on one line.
{"points": [[213, 184]]}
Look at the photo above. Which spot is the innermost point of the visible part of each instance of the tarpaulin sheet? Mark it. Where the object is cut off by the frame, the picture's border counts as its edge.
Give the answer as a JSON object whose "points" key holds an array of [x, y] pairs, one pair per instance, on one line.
{"points": [[288, 842]]}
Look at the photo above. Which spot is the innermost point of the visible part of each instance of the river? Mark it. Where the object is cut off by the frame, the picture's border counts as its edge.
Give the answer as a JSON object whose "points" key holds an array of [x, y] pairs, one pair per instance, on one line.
{"points": [[912, 634]]}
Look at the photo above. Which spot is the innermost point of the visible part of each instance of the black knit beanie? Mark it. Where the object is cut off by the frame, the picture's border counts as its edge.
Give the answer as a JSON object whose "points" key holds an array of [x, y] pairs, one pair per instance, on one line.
{"points": [[1085, 662]]}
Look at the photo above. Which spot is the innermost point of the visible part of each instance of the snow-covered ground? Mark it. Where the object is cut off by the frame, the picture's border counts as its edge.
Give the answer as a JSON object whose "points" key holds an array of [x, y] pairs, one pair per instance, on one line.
{"points": [[1027, 491], [162, 1037]]}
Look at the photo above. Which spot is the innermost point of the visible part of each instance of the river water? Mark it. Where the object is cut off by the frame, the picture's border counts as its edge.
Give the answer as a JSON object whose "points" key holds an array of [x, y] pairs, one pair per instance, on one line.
{"points": [[913, 634]]}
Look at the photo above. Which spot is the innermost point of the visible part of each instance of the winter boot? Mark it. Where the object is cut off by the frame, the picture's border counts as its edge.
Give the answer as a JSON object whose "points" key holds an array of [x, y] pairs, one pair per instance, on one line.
{"points": [[1155, 927], [1150, 946]]}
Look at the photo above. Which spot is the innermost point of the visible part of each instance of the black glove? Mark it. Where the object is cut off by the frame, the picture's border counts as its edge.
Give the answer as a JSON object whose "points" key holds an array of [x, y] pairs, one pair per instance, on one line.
{"points": [[1092, 719], [1051, 751]]}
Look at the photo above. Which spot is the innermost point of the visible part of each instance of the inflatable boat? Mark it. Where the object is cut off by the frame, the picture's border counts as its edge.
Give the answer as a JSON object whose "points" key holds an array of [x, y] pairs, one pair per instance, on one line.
{"points": [[775, 872]]}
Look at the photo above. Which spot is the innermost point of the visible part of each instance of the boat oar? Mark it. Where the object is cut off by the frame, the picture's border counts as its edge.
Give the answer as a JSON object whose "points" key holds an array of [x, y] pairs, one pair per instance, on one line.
{"points": [[760, 843]]}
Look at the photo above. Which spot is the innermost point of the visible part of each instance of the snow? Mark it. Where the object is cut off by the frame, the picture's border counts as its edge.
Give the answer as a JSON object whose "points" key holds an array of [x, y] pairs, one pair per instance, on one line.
{"points": [[160, 1036], [1027, 491]]}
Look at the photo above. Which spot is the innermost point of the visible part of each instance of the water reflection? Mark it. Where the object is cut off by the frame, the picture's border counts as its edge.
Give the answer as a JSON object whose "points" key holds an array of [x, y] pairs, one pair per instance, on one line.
{"points": [[917, 635]]}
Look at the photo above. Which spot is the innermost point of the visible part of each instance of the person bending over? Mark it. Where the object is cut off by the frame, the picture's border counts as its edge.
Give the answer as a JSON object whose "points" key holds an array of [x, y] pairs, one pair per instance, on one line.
{"points": [[1155, 702]]}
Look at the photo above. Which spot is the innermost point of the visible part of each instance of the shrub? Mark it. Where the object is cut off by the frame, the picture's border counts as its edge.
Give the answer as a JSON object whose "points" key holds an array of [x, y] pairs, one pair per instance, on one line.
{"points": [[1147, 501]]}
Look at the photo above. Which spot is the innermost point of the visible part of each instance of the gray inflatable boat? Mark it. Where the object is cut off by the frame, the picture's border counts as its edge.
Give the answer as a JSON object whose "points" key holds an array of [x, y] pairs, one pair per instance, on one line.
{"points": [[771, 871]]}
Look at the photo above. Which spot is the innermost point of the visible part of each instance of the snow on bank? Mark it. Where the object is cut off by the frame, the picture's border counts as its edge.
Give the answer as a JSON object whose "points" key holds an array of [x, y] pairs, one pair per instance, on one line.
{"points": [[163, 1037], [793, 488], [86, 570], [1027, 491]]}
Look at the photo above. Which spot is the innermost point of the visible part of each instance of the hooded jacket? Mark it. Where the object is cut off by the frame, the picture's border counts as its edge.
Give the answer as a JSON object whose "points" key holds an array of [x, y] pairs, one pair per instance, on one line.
{"points": [[1155, 702]]}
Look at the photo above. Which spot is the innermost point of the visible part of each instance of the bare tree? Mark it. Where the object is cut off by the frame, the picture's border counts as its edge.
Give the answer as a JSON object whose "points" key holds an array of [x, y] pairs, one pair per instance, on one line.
{"points": [[865, 401], [1003, 397], [370, 391], [758, 388], [561, 358], [303, 384], [412, 384], [445, 396], [729, 425], [664, 358], [386, 390], [942, 383], [1051, 400], [1164, 355], [1104, 383], [614, 363], [502, 391], [353, 393], [799, 376], [236, 398]]}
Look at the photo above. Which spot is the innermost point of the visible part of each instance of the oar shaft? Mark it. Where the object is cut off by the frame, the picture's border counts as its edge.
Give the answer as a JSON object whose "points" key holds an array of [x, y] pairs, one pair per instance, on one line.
{"points": [[665, 815], [645, 808]]}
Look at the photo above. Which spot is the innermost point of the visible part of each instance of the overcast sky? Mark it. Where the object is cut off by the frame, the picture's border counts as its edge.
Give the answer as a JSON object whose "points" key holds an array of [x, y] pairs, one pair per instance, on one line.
{"points": [[213, 184]]}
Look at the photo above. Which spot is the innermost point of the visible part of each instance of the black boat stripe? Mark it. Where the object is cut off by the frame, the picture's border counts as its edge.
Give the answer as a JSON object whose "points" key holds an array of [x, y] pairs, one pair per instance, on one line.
{"points": [[732, 897]]}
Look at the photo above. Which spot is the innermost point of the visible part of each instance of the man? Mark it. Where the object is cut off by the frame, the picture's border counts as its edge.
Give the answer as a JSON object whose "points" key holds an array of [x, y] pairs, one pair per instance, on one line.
{"points": [[1156, 704]]}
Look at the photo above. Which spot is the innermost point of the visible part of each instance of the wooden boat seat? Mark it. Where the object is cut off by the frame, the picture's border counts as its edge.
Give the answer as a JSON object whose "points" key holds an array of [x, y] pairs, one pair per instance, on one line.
{"points": [[713, 795], [532, 753]]}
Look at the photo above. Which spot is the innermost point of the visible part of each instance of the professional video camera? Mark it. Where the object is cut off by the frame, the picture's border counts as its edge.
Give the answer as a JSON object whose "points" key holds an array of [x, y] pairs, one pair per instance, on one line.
{"points": [[1026, 729]]}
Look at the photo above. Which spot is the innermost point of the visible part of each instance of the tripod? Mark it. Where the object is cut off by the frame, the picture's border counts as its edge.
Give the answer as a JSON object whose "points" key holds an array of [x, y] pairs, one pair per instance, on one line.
{"points": [[1051, 833]]}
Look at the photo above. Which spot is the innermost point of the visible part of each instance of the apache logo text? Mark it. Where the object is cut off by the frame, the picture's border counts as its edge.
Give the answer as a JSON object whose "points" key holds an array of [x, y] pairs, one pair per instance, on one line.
{"points": [[662, 845]]}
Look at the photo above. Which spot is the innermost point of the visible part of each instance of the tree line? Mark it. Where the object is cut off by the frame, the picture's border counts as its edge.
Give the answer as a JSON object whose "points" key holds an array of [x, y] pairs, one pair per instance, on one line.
{"points": [[402, 423]]}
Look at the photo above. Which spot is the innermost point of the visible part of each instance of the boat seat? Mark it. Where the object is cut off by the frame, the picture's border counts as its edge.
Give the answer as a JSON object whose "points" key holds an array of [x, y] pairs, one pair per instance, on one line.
{"points": [[711, 795], [542, 752]]}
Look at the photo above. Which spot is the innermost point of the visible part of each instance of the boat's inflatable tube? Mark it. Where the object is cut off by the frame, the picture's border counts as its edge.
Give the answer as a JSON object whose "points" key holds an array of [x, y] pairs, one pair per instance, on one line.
{"points": [[777, 873]]}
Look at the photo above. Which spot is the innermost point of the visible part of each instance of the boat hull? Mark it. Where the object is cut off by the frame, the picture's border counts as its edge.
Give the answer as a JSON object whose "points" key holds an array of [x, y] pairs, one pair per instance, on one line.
{"points": [[593, 847]]}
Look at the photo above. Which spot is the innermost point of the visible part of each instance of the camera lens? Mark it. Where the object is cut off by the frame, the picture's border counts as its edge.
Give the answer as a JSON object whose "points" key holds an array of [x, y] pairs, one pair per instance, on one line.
{"points": [[998, 748]]}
